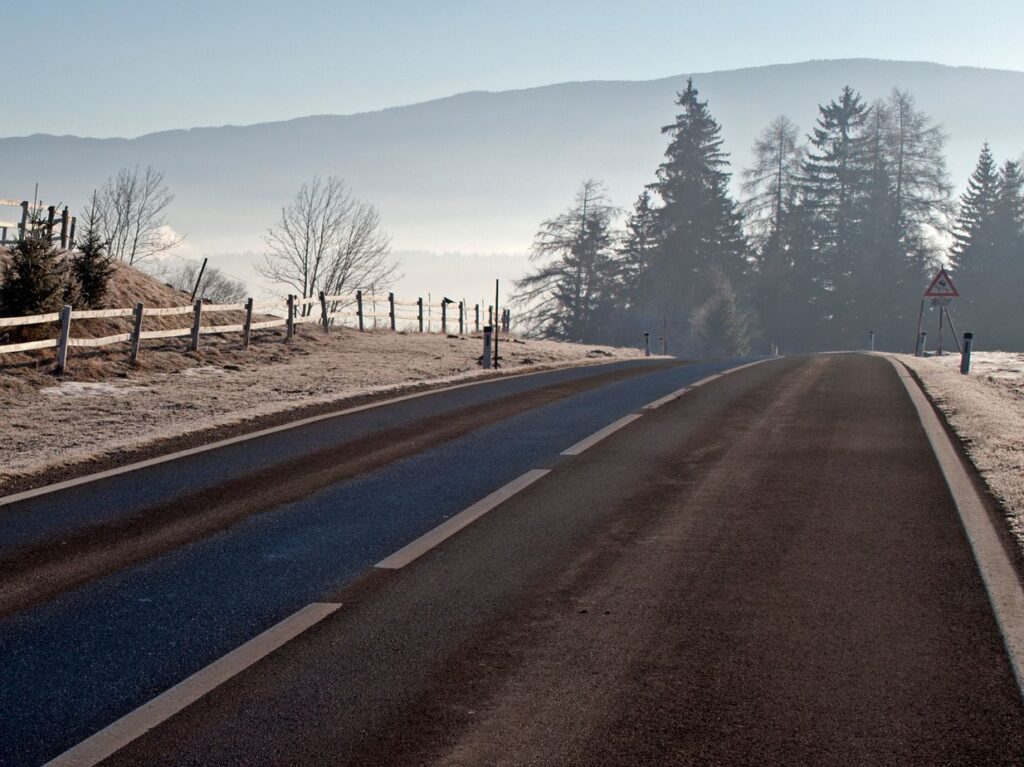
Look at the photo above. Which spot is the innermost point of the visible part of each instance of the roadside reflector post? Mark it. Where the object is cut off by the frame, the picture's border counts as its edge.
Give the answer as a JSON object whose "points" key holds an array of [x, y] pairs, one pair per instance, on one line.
{"points": [[871, 340], [647, 344], [359, 308], [62, 343], [485, 360], [419, 312], [247, 327], [965, 355], [291, 316], [137, 333], [197, 318], [661, 345], [391, 309]]}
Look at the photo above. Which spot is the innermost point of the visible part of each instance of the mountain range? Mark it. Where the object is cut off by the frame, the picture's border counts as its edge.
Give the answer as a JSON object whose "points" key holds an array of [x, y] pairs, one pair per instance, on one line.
{"points": [[477, 172]]}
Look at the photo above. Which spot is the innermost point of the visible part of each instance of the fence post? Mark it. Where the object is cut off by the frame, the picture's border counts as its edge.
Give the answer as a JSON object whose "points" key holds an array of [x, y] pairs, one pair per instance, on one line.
{"points": [[324, 319], [197, 317], [490, 316], [51, 213], [485, 360], [247, 327], [359, 308], [62, 344], [462, 324], [419, 312], [291, 316], [391, 309], [64, 228], [71, 234], [965, 355], [137, 333], [476, 318], [444, 317], [647, 344], [23, 226]]}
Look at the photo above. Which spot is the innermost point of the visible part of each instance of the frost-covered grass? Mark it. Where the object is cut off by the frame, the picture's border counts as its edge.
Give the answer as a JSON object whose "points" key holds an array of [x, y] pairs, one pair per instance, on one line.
{"points": [[173, 394], [986, 410]]}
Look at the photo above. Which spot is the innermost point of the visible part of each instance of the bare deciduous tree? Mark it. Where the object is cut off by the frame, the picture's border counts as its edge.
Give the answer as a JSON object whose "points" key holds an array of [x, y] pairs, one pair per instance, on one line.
{"points": [[326, 240], [216, 287], [131, 215]]}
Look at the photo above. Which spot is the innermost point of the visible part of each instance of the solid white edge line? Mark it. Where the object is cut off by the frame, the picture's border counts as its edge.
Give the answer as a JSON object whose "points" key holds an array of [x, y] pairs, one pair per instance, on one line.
{"points": [[597, 436], [128, 728], [451, 526], [997, 570], [46, 489]]}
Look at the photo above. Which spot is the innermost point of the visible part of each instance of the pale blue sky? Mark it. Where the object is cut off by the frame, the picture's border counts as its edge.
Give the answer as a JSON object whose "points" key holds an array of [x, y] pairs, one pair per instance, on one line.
{"points": [[123, 68]]}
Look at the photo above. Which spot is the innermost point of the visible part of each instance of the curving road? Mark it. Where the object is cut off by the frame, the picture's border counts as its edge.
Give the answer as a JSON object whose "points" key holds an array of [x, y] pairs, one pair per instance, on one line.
{"points": [[768, 569]]}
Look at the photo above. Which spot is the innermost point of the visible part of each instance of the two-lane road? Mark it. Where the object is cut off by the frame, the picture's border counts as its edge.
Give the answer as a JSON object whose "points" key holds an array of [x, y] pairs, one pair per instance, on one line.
{"points": [[768, 569]]}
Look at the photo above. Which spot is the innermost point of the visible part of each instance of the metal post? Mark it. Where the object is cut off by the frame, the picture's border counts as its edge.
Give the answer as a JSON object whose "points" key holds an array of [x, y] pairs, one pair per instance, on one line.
{"points": [[647, 344], [419, 311], [496, 333], [871, 340], [485, 358], [920, 326], [391, 309], [291, 316], [359, 308], [62, 344], [938, 341], [965, 355], [462, 327], [922, 343], [199, 280], [137, 333], [197, 317], [247, 327]]}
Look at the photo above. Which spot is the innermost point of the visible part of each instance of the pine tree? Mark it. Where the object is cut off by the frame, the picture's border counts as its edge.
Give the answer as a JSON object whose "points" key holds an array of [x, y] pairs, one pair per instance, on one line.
{"points": [[93, 266], [570, 296], [836, 180], [698, 227], [34, 279]]}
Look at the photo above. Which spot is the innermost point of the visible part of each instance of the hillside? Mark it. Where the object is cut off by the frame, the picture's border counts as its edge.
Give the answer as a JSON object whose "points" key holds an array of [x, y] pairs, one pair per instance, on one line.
{"points": [[476, 172]]}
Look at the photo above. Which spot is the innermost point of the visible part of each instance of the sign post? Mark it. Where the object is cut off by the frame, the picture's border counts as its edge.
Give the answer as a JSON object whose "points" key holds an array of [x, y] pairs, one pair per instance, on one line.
{"points": [[941, 291]]}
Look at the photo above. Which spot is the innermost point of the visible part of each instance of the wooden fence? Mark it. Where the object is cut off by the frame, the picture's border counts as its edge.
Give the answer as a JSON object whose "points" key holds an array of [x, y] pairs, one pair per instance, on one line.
{"points": [[32, 218], [333, 311]]}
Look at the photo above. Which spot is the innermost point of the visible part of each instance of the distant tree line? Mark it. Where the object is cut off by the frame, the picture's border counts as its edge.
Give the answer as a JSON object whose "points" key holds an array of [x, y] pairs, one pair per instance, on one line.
{"points": [[835, 235]]}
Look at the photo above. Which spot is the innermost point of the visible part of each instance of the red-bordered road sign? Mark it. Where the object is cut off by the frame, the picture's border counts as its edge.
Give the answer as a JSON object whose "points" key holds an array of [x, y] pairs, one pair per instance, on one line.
{"points": [[942, 287]]}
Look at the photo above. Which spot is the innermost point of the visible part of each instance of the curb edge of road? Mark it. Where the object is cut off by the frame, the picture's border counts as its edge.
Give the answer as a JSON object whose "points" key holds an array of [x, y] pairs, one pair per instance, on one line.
{"points": [[997, 563]]}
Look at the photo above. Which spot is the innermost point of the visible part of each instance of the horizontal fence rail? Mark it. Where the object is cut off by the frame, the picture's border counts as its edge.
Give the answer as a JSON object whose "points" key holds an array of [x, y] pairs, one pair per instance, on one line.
{"points": [[383, 312]]}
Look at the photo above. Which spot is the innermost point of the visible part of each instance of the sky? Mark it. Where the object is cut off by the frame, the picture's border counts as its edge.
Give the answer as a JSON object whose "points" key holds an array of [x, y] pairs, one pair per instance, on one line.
{"points": [[124, 68]]}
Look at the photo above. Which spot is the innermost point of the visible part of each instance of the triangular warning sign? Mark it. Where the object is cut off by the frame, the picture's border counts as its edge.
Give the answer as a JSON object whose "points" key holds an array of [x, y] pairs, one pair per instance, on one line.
{"points": [[942, 287]]}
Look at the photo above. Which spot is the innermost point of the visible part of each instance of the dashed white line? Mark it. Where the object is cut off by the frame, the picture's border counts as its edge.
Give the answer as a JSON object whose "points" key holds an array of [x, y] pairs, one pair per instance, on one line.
{"points": [[116, 736], [449, 527], [597, 436], [997, 570]]}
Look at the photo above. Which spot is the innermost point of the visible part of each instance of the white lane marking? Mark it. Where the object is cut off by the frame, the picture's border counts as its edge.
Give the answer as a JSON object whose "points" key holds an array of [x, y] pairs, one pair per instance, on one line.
{"points": [[46, 489], [996, 567], [449, 527], [680, 392], [116, 736], [597, 436]]}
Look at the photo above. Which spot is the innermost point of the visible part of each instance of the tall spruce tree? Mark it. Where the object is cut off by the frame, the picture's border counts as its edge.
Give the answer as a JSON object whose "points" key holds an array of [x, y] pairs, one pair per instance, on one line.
{"points": [[698, 227], [571, 293], [836, 182], [92, 266], [34, 279], [988, 252]]}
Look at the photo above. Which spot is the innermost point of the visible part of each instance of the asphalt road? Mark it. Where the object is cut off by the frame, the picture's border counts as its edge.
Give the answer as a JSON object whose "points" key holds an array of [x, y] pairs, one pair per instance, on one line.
{"points": [[768, 570]]}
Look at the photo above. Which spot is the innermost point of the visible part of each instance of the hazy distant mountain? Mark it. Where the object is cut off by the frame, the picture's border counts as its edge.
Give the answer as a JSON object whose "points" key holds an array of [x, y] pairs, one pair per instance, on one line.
{"points": [[478, 171]]}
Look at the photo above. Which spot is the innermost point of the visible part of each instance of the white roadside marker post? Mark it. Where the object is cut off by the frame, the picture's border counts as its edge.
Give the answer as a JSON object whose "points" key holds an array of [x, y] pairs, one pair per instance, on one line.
{"points": [[647, 344], [965, 355]]}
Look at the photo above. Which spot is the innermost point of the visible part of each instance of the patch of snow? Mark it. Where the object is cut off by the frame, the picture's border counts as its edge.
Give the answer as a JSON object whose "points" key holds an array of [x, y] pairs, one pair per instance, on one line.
{"points": [[84, 389]]}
